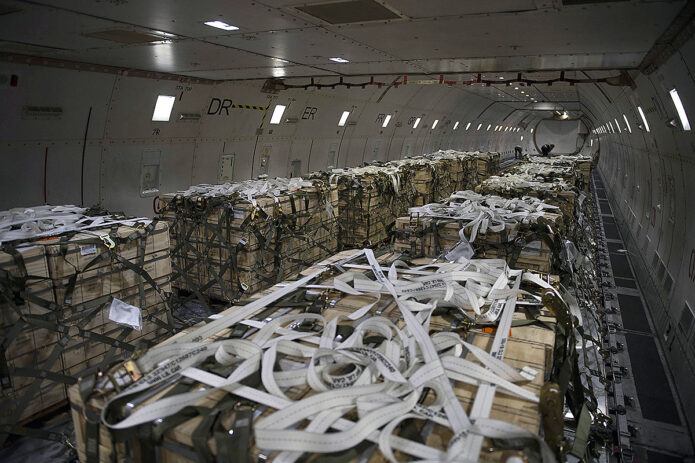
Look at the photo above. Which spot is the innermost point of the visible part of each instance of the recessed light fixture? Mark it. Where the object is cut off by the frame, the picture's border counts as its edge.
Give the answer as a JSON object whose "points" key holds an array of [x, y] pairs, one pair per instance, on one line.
{"points": [[456, 125], [681, 110], [163, 107], [611, 126], [501, 78], [434, 124], [277, 114], [417, 122], [488, 126], [592, 142], [343, 118], [629, 129], [468, 125], [522, 138], [516, 88], [221, 25], [281, 60], [338, 59], [386, 121], [479, 126], [522, 91], [531, 130], [618, 125], [644, 119], [497, 127]]}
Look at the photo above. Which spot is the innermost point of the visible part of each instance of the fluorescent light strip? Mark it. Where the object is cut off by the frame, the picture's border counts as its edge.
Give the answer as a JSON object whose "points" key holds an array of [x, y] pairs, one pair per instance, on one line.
{"points": [[468, 125], [417, 122], [163, 107], [221, 25], [277, 114], [629, 129], [343, 118], [681, 110], [434, 124], [338, 59], [644, 119], [386, 121], [488, 126], [611, 125], [479, 126], [456, 125], [617, 125]]}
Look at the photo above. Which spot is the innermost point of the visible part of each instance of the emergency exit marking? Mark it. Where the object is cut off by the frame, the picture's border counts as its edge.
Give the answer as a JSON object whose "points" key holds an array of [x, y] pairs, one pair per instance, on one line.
{"points": [[309, 112]]}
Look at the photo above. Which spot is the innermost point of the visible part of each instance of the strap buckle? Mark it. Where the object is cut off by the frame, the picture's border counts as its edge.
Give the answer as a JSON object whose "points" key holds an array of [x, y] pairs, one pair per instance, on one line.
{"points": [[108, 241]]}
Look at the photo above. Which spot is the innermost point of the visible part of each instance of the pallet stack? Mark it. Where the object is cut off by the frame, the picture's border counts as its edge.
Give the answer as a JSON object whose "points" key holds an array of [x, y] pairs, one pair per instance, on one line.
{"points": [[558, 193], [56, 290], [201, 432], [487, 164], [235, 239], [520, 231], [581, 165]]}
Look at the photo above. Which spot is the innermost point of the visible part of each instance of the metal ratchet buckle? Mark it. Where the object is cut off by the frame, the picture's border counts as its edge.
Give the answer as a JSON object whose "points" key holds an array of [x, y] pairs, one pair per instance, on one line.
{"points": [[133, 370], [108, 241]]}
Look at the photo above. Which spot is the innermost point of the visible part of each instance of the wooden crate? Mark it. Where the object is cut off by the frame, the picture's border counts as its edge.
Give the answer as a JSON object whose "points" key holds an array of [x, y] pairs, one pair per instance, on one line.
{"points": [[527, 346]]}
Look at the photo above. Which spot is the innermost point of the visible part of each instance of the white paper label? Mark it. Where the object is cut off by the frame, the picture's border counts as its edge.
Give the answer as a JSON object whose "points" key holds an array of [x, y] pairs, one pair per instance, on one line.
{"points": [[88, 250], [125, 314], [238, 213]]}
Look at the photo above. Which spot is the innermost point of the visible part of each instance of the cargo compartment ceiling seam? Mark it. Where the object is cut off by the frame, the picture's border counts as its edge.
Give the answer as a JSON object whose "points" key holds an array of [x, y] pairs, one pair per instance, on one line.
{"points": [[274, 38]]}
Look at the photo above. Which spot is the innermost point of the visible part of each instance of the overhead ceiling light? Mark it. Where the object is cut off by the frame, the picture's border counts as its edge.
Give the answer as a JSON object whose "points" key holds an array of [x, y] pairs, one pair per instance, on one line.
{"points": [[522, 138], [221, 25], [488, 126], [516, 88], [611, 126], [497, 127], [644, 119], [617, 125], [479, 126], [629, 129], [163, 107], [522, 91], [501, 77], [681, 110], [339, 60], [417, 122], [343, 118], [386, 121], [434, 124], [592, 142], [281, 60], [277, 114], [468, 125]]}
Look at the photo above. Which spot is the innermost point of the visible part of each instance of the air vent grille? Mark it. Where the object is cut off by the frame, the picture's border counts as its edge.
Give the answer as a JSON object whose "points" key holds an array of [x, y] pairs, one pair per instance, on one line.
{"points": [[348, 12]]}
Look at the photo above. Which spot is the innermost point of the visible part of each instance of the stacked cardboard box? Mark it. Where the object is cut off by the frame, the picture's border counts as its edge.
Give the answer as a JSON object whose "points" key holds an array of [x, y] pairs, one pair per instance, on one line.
{"points": [[234, 239], [521, 231], [55, 297], [487, 164]]}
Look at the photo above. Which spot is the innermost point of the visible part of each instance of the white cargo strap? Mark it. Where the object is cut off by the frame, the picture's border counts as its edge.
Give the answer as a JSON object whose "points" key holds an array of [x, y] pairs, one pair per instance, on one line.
{"points": [[384, 384]]}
